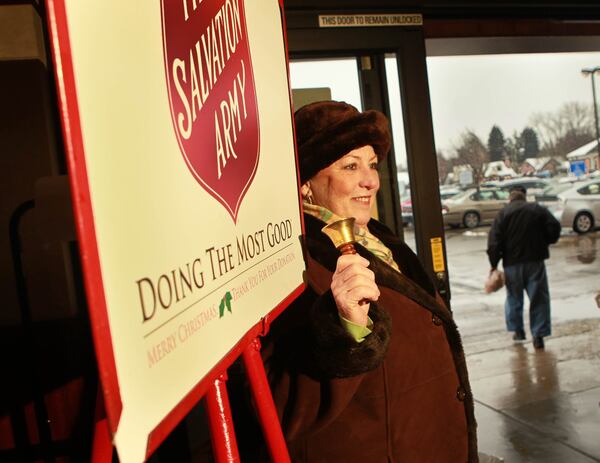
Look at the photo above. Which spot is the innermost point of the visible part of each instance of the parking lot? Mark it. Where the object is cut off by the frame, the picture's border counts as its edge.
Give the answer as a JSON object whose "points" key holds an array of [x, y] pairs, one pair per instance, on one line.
{"points": [[532, 406], [573, 273]]}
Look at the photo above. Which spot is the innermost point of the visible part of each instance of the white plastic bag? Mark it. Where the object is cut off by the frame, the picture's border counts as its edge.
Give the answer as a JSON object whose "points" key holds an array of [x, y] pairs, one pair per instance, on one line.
{"points": [[494, 281]]}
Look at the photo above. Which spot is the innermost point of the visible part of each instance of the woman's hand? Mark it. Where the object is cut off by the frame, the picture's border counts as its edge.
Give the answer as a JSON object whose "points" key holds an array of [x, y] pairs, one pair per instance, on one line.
{"points": [[353, 286]]}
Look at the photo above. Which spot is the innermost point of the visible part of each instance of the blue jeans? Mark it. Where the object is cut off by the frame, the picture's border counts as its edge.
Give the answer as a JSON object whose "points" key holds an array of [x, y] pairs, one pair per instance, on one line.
{"points": [[531, 277]]}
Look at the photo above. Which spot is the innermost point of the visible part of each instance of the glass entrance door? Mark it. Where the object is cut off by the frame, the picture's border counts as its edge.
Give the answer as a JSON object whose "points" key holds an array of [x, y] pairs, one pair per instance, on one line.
{"points": [[340, 79], [382, 68], [335, 79]]}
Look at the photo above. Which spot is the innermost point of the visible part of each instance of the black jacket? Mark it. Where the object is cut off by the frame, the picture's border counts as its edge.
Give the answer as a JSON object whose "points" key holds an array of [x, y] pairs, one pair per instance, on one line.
{"points": [[522, 232]]}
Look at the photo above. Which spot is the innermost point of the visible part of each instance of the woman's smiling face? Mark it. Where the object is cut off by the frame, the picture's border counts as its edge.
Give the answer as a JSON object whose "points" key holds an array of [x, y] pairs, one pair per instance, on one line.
{"points": [[348, 186]]}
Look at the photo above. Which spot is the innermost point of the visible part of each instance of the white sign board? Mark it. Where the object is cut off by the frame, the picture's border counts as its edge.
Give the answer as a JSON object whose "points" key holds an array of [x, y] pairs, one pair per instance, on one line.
{"points": [[178, 129], [465, 177]]}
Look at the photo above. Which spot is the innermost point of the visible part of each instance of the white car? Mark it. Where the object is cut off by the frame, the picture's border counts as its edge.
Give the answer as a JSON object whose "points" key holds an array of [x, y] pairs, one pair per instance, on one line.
{"points": [[579, 206]]}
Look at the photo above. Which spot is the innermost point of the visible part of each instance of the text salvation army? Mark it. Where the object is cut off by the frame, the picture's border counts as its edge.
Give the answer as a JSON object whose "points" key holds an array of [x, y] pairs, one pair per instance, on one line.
{"points": [[212, 94]]}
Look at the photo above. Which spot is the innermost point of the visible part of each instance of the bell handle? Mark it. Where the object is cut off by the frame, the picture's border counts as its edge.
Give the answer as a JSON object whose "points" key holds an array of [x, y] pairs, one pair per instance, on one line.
{"points": [[347, 248]]}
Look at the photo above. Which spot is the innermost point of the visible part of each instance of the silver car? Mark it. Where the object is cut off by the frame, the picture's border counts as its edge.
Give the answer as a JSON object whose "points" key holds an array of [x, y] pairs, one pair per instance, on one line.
{"points": [[534, 186], [473, 207], [579, 206]]}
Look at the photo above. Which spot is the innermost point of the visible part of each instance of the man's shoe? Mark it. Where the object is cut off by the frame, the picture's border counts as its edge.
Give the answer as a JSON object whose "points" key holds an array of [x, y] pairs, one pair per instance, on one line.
{"points": [[519, 335], [538, 342]]}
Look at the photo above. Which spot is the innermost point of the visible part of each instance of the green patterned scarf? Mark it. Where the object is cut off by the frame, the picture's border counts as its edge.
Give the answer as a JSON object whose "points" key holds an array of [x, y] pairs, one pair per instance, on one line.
{"points": [[363, 236]]}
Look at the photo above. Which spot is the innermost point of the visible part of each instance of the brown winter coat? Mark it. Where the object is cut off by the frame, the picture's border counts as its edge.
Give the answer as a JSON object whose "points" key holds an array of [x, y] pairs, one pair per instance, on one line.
{"points": [[402, 395]]}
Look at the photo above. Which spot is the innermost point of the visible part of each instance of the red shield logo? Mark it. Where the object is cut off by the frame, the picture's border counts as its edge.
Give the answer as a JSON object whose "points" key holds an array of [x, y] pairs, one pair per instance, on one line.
{"points": [[212, 95]]}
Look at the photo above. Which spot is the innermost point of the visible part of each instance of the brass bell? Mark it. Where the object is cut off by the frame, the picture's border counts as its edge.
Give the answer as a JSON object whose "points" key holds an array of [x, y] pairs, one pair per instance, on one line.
{"points": [[341, 233]]}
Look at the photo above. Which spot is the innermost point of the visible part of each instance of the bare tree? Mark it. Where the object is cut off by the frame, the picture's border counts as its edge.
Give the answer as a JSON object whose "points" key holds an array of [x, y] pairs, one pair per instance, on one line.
{"points": [[444, 167], [472, 152], [514, 150], [571, 126]]}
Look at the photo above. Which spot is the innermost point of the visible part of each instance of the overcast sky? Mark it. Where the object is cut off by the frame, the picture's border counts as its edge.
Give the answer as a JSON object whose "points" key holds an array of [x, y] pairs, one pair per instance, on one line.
{"points": [[468, 92], [476, 92]]}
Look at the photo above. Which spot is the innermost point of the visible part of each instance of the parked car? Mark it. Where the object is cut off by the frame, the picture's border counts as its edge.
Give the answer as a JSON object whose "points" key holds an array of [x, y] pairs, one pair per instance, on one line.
{"points": [[579, 206], [473, 207], [544, 192], [449, 192], [533, 186], [549, 197], [406, 205], [407, 215]]}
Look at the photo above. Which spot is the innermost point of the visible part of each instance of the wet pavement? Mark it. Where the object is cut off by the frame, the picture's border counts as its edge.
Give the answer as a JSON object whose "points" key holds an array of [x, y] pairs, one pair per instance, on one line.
{"points": [[532, 405]]}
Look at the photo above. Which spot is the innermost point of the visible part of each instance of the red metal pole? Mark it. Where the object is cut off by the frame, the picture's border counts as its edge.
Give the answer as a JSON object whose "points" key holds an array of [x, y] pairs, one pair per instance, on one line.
{"points": [[263, 398], [221, 424]]}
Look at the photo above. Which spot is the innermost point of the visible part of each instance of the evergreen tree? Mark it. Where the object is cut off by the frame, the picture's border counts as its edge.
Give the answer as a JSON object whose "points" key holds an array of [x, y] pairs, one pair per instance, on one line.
{"points": [[496, 144], [531, 145]]}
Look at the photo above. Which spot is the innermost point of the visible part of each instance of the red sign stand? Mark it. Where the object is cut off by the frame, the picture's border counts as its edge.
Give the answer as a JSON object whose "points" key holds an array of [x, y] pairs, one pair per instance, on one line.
{"points": [[221, 423], [261, 393], [102, 447], [223, 438]]}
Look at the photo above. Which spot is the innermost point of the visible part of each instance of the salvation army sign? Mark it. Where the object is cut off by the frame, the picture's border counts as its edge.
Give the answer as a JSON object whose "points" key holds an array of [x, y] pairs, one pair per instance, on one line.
{"points": [[178, 130], [212, 95]]}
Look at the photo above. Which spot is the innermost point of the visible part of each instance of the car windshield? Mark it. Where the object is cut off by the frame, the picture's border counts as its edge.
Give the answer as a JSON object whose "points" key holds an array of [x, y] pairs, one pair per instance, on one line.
{"points": [[448, 194], [556, 189], [590, 189], [461, 195], [502, 194]]}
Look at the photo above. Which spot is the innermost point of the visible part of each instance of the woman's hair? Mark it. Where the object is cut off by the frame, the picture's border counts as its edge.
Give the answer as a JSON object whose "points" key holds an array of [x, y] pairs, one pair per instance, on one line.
{"points": [[327, 130]]}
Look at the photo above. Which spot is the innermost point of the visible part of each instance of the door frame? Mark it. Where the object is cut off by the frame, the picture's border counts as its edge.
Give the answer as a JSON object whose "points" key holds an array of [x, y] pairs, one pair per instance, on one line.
{"points": [[307, 40]]}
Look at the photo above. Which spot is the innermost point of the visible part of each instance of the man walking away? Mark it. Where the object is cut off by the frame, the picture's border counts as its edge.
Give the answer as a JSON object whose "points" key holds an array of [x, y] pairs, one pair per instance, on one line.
{"points": [[520, 236]]}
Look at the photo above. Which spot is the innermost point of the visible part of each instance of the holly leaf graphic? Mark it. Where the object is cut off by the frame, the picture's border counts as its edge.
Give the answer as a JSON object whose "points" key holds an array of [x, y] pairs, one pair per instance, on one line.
{"points": [[228, 298], [225, 302], [222, 308]]}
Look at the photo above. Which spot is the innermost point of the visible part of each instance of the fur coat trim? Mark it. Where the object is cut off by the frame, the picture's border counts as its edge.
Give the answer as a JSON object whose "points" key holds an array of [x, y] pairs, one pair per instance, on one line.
{"points": [[337, 354]]}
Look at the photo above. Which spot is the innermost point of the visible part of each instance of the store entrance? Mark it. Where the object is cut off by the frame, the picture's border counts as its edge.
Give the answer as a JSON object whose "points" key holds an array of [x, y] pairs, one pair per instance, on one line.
{"points": [[381, 68]]}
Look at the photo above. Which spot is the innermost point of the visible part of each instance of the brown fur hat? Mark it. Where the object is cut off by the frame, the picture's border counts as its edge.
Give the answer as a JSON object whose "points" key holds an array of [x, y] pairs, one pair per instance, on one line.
{"points": [[327, 130]]}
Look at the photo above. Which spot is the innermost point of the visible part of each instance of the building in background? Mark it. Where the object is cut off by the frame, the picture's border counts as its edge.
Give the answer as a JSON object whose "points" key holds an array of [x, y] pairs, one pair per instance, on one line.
{"points": [[584, 158]]}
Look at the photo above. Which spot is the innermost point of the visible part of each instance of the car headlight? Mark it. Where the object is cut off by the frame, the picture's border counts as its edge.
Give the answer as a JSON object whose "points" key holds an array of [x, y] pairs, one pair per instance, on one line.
{"points": [[445, 210]]}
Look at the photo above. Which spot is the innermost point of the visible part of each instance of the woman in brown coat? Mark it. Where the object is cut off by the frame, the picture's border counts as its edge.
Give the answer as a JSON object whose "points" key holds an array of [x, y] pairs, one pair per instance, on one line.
{"points": [[367, 364]]}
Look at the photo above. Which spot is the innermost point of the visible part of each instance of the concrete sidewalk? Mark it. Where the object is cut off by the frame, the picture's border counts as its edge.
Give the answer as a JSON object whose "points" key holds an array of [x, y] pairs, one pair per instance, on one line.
{"points": [[538, 406], [533, 406]]}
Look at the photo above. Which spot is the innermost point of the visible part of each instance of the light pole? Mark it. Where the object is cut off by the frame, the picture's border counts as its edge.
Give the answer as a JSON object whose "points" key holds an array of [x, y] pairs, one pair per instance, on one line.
{"points": [[592, 71]]}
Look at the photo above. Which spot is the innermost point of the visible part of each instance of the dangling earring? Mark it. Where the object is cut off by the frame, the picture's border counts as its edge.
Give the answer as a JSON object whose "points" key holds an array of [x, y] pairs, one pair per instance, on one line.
{"points": [[307, 196]]}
